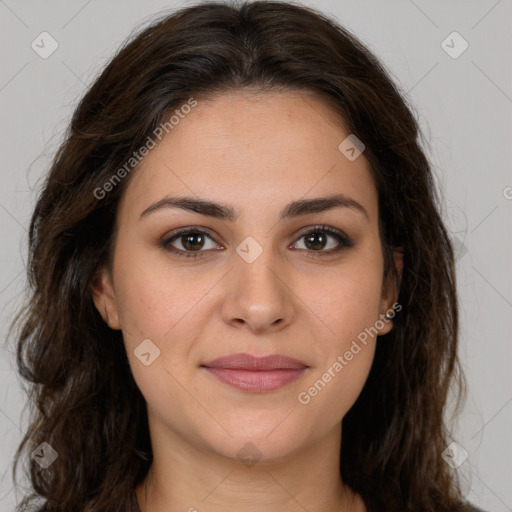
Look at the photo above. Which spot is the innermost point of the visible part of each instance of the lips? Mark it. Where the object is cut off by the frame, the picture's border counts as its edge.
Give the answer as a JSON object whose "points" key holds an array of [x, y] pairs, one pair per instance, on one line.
{"points": [[248, 362], [255, 374]]}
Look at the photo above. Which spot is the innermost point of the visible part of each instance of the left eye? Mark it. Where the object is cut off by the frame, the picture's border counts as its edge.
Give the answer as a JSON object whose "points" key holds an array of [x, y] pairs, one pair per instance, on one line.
{"points": [[317, 240]]}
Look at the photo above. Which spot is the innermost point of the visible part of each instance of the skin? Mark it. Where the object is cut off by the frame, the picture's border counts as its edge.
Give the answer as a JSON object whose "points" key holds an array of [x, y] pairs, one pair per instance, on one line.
{"points": [[257, 153]]}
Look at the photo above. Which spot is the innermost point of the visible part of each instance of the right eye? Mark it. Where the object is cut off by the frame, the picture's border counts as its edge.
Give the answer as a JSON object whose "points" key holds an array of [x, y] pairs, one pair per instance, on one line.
{"points": [[192, 242]]}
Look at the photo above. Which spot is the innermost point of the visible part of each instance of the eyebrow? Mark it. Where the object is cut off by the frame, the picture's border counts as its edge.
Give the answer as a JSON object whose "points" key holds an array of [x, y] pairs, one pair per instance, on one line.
{"points": [[227, 212]]}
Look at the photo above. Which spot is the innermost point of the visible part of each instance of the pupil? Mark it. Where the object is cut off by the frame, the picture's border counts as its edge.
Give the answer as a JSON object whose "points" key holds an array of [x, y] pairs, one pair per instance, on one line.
{"points": [[316, 239], [189, 241]]}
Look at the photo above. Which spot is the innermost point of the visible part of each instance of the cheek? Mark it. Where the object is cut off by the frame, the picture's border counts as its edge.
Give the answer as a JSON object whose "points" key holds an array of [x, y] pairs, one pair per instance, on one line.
{"points": [[347, 302], [165, 308], [151, 313], [154, 299], [345, 352], [333, 389], [349, 309]]}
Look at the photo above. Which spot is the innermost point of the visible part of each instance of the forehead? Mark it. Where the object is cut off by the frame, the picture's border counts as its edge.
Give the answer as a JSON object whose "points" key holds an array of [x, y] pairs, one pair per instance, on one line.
{"points": [[252, 150]]}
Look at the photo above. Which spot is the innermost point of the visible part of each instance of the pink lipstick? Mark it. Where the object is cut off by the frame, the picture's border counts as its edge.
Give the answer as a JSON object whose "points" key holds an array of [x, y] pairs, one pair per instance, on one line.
{"points": [[255, 374]]}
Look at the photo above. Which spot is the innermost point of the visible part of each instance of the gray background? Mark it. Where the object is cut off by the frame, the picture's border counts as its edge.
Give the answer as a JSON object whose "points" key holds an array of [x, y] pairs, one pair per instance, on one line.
{"points": [[464, 105]]}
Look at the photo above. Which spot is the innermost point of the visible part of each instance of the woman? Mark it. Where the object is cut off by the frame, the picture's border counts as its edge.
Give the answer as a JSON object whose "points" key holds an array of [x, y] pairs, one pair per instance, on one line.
{"points": [[244, 296]]}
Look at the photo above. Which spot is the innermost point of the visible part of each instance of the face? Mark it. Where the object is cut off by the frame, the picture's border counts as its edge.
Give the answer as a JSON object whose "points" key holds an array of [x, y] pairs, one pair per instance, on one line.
{"points": [[260, 278]]}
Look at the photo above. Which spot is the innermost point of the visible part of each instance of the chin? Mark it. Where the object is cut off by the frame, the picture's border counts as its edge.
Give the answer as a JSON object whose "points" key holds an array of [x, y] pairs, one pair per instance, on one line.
{"points": [[262, 438]]}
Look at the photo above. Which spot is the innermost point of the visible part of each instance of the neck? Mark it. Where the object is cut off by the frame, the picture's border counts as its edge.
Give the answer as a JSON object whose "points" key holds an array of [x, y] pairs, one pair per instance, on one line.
{"points": [[194, 479]]}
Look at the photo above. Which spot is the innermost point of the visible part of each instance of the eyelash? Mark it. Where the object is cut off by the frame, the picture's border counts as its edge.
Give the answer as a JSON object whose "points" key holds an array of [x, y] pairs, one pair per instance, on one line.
{"points": [[344, 240]]}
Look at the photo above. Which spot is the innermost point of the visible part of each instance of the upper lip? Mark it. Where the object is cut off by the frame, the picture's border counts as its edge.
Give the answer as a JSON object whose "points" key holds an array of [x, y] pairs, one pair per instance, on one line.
{"points": [[248, 362]]}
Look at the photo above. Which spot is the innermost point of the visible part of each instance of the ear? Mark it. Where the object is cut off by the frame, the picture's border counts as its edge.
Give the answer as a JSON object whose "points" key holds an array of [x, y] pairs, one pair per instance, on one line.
{"points": [[105, 299], [390, 291]]}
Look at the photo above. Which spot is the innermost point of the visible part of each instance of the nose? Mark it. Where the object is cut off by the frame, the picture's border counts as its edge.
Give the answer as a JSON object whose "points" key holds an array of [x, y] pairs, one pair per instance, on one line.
{"points": [[258, 296]]}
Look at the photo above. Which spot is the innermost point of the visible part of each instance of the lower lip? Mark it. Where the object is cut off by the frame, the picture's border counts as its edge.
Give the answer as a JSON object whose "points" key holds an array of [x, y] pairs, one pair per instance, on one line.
{"points": [[256, 381]]}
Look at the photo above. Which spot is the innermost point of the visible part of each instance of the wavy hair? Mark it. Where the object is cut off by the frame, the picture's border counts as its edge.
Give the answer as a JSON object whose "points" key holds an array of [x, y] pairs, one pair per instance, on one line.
{"points": [[84, 400]]}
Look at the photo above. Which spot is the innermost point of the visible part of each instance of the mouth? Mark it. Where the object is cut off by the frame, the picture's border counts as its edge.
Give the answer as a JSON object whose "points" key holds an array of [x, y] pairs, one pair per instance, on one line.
{"points": [[255, 374]]}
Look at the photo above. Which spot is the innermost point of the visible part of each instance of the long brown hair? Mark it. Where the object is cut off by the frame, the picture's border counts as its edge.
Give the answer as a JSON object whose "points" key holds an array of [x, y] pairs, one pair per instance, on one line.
{"points": [[85, 402]]}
